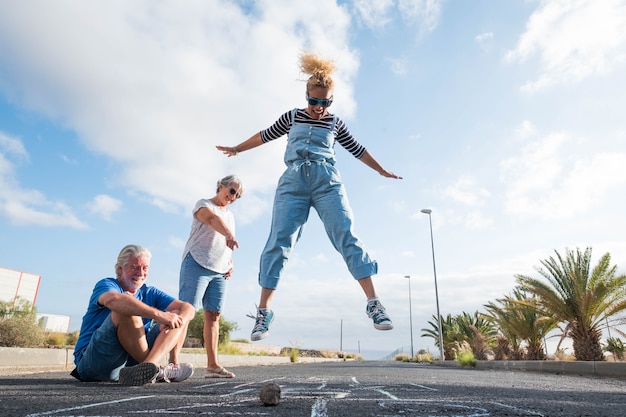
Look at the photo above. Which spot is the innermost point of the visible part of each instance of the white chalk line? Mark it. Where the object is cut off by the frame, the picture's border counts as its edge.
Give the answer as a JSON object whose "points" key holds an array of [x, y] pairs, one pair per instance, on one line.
{"points": [[529, 412], [425, 387], [82, 407]]}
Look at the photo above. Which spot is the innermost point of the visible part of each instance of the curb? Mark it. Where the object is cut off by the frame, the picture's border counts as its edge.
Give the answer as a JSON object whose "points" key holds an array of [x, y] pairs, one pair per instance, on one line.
{"points": [[23, 361], [581, 368]]}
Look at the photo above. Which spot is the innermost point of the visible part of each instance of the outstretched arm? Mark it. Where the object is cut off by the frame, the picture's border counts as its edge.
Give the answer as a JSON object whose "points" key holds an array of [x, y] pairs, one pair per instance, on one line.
{"points": [[213, 220], [251, 143], [369, 160]]}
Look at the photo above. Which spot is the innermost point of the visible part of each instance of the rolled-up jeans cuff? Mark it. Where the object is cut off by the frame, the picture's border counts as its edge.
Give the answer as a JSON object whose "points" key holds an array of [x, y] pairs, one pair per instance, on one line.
{"points": [[364, 271]]}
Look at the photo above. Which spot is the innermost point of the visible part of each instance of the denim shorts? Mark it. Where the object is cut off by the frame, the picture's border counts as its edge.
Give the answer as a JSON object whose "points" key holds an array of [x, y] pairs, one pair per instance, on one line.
{"points": [[104, 357], [200, 286]]}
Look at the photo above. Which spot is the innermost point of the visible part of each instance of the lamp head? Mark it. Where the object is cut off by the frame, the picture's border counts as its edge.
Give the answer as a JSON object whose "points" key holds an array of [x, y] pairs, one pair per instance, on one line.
{"points": [[426, 211]]}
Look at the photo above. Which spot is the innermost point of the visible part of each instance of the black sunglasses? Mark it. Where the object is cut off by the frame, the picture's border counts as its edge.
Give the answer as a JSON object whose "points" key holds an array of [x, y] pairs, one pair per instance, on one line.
{"points": [[234, 192], [324, 102]]}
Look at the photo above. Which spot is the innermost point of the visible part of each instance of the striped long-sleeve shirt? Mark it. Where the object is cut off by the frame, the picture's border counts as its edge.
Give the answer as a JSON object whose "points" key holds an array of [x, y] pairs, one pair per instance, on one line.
{"points": [[342, 133]]}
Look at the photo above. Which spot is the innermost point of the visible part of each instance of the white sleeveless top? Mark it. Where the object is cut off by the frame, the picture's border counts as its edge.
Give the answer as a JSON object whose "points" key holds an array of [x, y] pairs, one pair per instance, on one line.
{"points": [[206, 245]]}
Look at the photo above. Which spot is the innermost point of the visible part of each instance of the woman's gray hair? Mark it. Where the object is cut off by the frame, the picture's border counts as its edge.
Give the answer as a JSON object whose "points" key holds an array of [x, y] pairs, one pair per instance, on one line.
{"points": [[229, 180], [128, 251]]}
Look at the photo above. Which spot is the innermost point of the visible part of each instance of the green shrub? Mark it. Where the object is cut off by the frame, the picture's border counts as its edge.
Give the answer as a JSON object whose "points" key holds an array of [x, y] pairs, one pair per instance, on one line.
{"points": [[196, 328], [616, 347], [20, 331], [425, 357], [228, 349], [293, 355], [71, 338], [18, 324], [466, 358], [55, 338]]}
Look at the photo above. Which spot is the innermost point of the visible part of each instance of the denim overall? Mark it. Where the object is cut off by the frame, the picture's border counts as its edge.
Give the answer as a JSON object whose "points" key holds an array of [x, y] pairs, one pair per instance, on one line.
{"points": [[311, 180]]}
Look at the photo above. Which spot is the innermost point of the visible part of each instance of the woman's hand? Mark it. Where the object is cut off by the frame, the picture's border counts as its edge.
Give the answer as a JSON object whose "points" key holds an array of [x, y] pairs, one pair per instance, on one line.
{"points": [[228, 150], [231, 242], [389, 174]]}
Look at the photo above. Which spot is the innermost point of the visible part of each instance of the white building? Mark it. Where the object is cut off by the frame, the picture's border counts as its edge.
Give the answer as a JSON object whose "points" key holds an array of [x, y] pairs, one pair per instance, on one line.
{"points": [[14, 284], [54, 323]]}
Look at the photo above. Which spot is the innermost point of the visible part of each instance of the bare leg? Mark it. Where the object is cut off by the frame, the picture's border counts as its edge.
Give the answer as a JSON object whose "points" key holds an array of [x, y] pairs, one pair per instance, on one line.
{"points": [[368, 287], [165, 342], [211, 337], [178, 347], [266, 297], [132, 337], [375, 311]]}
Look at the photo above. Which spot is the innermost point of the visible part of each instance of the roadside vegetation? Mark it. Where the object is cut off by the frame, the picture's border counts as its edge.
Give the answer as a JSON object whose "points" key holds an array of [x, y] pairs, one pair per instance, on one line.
{"points": [[570, 298]]}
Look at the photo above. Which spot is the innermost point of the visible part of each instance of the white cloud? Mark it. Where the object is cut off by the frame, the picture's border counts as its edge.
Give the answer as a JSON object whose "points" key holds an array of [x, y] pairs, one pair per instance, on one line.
{"points": [[465, 191], [526, 129], [551, 174], [426, 13], [484, 40], [165, 84], [320, 258], [574, 40], [12, 146], [177, 242], [28, 207], [374, 13], [484, 37], [476, 220], [398, 65], [68, 160], [105, 206]]}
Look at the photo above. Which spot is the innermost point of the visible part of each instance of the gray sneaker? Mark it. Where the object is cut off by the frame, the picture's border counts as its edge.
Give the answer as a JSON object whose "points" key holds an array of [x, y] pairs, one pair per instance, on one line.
{"points": [[378, 314], [175, 372], [262, 326], [139, 374]]}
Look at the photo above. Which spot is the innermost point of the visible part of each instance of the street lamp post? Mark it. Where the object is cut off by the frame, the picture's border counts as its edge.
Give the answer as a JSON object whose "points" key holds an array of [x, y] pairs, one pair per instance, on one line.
{"points": [[410, 316], [432, 245]]}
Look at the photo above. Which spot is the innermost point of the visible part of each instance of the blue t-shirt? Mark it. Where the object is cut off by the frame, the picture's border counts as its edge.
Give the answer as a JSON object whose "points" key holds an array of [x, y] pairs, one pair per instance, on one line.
{"points": [[96, 313]]}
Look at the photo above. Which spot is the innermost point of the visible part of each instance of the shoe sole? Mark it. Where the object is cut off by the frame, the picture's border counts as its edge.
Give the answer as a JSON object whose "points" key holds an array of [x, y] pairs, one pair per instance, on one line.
{"points": [[387, 326], [139, 374], [259, 336], [262, 335]]}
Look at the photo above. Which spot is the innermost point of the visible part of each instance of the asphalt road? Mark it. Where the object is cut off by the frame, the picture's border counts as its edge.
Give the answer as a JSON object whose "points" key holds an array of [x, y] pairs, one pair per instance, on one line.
{"points": [[331, 389]]}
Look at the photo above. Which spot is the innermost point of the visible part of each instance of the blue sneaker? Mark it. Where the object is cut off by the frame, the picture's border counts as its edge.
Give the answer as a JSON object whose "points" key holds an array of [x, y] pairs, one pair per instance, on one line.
{"points": [[262, 326], [377, 313]]}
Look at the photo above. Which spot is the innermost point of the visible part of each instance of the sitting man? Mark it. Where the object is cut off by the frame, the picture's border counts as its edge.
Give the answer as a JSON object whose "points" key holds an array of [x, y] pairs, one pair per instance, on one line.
{"points": [[130, 327]]}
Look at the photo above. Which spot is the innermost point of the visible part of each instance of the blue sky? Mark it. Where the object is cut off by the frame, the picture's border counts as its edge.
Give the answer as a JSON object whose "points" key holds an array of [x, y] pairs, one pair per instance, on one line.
{"points": [[504, 118]]}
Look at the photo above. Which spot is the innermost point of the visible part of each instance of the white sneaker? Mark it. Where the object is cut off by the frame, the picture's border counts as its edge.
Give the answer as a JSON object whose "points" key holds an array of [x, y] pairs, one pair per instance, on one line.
{"points": [[175, 372]]}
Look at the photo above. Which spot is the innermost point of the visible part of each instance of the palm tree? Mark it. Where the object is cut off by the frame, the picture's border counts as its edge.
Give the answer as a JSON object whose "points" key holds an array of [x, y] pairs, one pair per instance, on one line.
{"points": [[578, 296], [447, 325], [478, 332], [473, 329], [518, 320]]}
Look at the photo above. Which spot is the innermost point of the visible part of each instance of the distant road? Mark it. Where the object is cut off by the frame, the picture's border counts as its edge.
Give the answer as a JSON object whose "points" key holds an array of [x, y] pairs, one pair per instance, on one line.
{"points": [[347, 389]]}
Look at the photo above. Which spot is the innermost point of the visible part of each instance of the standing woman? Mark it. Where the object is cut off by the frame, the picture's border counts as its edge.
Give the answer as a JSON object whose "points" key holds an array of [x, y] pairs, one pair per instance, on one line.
{"points": [[311, 180], [207, 264]]}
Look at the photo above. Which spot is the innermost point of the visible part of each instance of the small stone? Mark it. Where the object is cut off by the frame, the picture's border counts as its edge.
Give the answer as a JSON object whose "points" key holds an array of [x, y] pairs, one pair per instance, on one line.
{"points": [[270, 394]]}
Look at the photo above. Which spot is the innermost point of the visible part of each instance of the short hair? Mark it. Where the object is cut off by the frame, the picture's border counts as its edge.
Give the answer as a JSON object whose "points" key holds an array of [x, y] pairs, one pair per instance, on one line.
{"points": [[319, 70], [229, 180], [128, 251]]}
